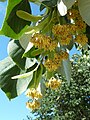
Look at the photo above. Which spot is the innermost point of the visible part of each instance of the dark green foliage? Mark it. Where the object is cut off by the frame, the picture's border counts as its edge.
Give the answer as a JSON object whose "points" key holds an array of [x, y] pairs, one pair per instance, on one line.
{"points": [[8, 69], [69, 102], [48, 3], [16, 23]]}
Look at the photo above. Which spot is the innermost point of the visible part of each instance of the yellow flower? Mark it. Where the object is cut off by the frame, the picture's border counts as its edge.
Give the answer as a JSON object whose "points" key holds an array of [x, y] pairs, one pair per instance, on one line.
{"points": [[60, 30], [33, 105], [65, 40], [54, 83], [43, 42], [64, 33], [33, 93], [73, 14], [81, 39], [53, 64], [81, 26], [73, 29]]}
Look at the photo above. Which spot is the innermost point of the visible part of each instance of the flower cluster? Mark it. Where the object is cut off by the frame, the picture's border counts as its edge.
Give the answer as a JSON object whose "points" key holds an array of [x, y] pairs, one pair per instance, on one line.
{"points": [[81, 39], [53, 83], [43, 42], [35, 95], [74, 14], [53, 64], [33, 105], [64, 33]]}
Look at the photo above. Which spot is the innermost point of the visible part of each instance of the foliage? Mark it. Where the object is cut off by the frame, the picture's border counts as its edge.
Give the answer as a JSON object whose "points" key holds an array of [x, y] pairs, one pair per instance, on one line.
{"points": [[39, 45], [69, 102]]}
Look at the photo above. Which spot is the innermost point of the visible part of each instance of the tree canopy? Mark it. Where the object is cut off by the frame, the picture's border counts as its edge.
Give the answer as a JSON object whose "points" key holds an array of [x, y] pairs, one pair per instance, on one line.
{"points": [[69, 102]]}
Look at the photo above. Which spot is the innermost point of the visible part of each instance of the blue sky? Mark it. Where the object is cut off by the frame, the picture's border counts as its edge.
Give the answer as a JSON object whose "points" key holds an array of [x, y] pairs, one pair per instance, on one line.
{"points": [[15, 109]]}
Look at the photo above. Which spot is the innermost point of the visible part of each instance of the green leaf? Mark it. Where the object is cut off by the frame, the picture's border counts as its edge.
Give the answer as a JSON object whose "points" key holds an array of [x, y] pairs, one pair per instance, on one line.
{"points": [[66, 70], [23, 83], [24, 40], [16, 51], [32, 83], [14, 26], [52, 16], [37, 76], [49, 3], [50, 74], [84, 8], [15, 87], [41, 24], [28, 17], [25, 75], [28, 50], [69, 3], [8, 69], [36, 52]]}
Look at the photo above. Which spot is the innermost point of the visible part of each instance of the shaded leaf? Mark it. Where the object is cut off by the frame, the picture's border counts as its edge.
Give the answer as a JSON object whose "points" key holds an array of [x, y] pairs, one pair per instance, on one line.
{"points": [[15, 87], [8, 69], [37, 76], [66, 70], [69, 3], [48, 3], [84, 8]]}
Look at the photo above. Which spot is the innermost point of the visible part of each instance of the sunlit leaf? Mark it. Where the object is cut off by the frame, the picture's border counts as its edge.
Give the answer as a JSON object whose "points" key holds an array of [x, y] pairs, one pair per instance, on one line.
{"points": [[24, 40], [14, 26], [25, 75], [23, 83], [62, 8], [28, 17]]}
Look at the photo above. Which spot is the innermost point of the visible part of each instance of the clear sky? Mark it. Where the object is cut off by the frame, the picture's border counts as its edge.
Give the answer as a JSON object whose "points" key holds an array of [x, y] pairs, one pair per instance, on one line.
{"points": [[15, 109]]}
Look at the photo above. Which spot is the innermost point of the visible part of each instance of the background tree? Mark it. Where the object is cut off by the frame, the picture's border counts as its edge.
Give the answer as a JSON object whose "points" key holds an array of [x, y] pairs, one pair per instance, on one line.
{"points": [[69, 102]]}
